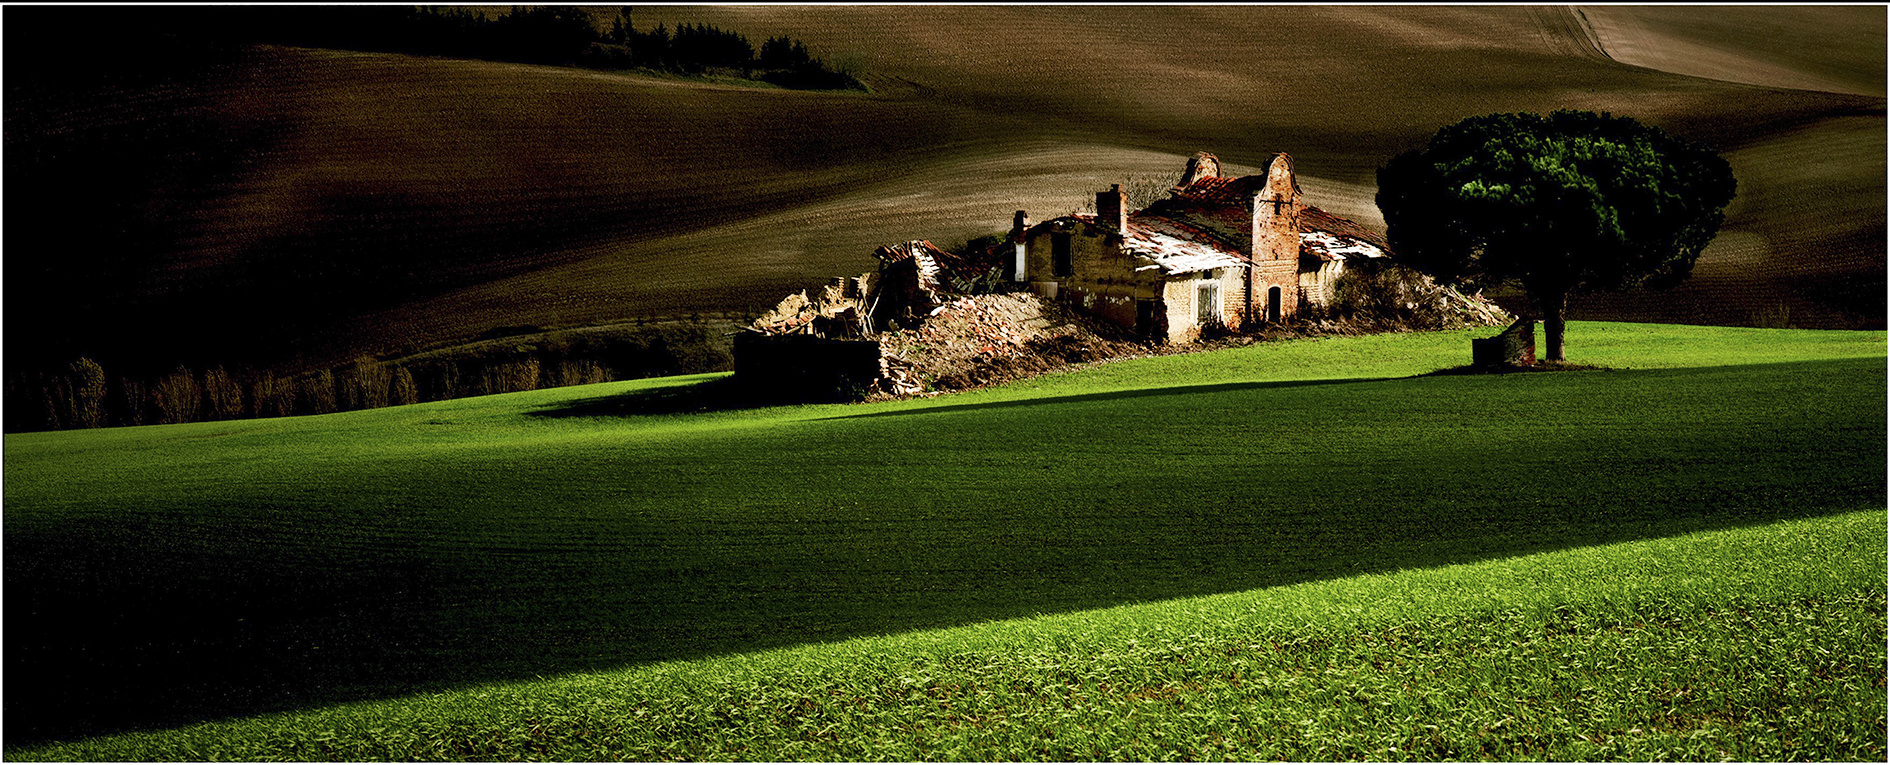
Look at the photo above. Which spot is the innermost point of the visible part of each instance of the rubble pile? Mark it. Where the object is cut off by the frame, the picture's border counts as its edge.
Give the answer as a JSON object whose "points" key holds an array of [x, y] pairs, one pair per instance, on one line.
{"points": [[840, 311], [1398, 299], [938, 321], [980, 340], [1473, 309]]}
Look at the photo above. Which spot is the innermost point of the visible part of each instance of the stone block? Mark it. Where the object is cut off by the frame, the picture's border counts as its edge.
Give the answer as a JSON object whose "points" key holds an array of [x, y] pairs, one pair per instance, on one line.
{"points": [[1515, 347]]}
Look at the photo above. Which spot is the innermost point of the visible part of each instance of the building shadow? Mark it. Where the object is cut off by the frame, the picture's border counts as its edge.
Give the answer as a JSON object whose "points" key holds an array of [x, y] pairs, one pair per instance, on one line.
{"points": [[1117, 395], [725, 394]]}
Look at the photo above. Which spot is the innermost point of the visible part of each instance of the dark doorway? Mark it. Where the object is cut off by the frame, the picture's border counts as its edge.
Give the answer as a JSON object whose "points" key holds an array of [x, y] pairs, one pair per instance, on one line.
{"points": [[1145, 318], [1273, 304]]}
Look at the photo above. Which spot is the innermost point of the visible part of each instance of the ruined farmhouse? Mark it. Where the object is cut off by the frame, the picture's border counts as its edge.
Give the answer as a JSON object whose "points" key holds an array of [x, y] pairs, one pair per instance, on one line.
{"points": [[1219, 251]]}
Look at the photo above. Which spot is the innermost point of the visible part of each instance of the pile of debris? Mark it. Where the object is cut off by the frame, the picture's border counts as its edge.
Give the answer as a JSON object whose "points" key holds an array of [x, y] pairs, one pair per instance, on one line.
{"points": [[987, 339], [1394, 298], [926, 321], [913, 280], [839, 312], [827, 346]]}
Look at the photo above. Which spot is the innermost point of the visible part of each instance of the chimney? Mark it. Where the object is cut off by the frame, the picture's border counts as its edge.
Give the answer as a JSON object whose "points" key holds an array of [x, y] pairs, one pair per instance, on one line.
{"points": [[1111, 209], [1019, 225]]}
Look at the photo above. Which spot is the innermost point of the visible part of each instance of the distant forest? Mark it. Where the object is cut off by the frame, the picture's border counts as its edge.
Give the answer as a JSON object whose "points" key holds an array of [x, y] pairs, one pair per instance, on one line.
{"points": [[551, 35]]}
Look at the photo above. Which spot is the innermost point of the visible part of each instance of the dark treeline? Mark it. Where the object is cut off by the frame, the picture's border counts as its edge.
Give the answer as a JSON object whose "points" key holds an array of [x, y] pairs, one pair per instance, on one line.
{"points": [[553, 35], [85, 395]]}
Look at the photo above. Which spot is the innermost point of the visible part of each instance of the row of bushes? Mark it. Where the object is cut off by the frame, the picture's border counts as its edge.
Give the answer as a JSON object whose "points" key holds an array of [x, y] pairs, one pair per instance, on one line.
{"points": [[83, 395], [552, 35]]}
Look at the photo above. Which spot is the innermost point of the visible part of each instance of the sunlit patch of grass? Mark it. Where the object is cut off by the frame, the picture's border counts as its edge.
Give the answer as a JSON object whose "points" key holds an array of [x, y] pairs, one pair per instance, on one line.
{"points": [[169, 575], [1762, 643]]}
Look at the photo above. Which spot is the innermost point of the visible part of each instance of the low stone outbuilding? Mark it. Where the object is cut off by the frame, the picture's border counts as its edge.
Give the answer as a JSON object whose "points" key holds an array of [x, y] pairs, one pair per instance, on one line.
{"points": [[1514, 347], [1219, 251], [826, 346]]}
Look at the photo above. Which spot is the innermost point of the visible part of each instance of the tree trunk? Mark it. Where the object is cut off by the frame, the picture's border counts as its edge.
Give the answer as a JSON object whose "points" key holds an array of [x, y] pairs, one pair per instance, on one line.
{"points": [[1552, 325]]}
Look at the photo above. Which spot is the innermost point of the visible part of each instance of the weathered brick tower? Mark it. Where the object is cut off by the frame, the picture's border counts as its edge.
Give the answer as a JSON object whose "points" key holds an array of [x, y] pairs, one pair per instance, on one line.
{"points": [[1273, 283]]}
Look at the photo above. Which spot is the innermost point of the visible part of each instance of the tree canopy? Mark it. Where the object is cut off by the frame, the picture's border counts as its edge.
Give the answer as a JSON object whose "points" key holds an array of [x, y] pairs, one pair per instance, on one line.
{"points": [[1575, 201]]}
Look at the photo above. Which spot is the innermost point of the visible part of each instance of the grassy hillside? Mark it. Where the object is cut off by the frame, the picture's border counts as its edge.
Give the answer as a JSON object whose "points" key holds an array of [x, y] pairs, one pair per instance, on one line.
{"points": [[291, 208], [1758, 644], [172, 574]]}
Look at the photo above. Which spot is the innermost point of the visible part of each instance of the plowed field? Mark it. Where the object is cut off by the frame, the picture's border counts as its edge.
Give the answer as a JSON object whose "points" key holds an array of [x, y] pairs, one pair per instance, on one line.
{"points": [[295, 207]]}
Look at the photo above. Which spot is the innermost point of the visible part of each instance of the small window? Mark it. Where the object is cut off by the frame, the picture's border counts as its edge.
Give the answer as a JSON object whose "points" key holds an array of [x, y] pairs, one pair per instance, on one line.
{"points": [[1060, 255], [1208, 303]]}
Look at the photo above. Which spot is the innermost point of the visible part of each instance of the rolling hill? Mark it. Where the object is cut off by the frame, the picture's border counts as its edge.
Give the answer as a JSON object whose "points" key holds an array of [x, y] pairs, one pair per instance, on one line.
{"points": [[289, 208], [428, 554]]}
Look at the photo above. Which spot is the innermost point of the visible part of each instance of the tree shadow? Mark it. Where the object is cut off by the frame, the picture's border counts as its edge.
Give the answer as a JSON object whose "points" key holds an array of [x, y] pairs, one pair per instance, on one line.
{"points": [[719, 394], [1512, 369]]}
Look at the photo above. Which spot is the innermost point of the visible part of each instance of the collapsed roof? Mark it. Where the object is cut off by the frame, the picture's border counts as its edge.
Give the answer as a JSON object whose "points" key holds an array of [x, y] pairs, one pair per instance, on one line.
{"points": [[1175, 247], [1329, 237], [913, 279]]}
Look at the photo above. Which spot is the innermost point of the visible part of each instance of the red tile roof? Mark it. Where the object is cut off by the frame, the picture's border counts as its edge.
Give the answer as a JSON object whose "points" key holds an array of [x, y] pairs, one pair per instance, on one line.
{"points": [[1238, 192], [1221, 191], [1314, 219]]}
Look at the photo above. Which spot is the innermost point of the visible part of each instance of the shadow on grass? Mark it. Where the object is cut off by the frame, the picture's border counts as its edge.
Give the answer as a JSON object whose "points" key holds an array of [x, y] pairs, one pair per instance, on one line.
{"points": [[724, 394], [717, 395], [167, 669], [1118, 395], [179, 608], [1508, 369]]}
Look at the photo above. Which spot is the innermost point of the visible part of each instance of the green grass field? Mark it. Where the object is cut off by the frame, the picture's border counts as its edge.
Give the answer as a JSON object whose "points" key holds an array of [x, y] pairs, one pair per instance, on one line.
{"points": [[1298, 550]]}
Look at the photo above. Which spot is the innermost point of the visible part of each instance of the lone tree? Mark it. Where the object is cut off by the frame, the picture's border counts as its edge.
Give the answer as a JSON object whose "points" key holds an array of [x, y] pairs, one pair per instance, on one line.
{"points": [[1575, 201]]}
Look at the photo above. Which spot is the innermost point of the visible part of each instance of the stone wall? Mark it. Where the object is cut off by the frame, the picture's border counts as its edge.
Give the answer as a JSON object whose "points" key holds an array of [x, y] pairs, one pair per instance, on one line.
{"points": [[1318, 285], [1104, 281], [1102, 278]]}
